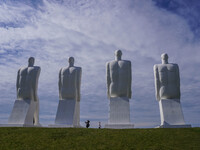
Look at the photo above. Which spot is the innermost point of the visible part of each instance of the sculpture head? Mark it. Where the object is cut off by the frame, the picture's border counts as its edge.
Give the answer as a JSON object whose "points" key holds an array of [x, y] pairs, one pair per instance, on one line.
{"points": [[118, 54], [164, 58], [31, 61], [71, 61]]}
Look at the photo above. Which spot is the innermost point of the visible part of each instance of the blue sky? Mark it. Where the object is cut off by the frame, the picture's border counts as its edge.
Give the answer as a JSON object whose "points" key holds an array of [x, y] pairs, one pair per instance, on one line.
{"points": [[90, 31]]}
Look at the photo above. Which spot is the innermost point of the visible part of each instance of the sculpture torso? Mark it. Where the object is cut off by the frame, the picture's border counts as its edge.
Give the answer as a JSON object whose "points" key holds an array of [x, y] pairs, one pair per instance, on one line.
{"points": [[69, 83], [169, 81], [27, 81], [119, 78]]}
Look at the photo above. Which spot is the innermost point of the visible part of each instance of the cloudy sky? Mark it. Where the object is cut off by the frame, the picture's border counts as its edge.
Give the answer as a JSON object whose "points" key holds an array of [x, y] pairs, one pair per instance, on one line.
{"points": [[90, 31]]}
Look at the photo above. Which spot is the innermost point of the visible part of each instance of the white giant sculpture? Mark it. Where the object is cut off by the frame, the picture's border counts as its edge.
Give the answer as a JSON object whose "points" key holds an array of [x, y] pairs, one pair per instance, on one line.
{"points": [[119, 76], [68, 112], [26, 108], [167, 88]]}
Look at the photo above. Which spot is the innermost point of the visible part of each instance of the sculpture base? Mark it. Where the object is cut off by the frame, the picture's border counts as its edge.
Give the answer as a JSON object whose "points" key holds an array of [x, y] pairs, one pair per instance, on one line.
{"points": [[18, 125], [22, 113], [175, 126], [119, 126], [171, 114], [119, 113], [63, 126], [68, 114]]}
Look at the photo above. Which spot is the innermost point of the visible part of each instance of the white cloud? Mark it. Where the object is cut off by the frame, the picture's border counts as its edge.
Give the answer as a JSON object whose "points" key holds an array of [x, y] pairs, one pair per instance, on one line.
{"points": [[91, 31]]}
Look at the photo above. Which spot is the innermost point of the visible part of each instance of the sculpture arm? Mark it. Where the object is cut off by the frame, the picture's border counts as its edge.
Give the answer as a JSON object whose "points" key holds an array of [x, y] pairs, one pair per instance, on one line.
{"points": [[130, 81], [59, 84], [108, 79], [35, 84], [157, 82], [178, 81], [17, 83], [79, 84]]}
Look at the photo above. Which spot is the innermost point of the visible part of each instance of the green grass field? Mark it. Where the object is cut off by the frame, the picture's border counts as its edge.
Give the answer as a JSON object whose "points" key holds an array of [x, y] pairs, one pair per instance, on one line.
{"points": [[92, 139]]}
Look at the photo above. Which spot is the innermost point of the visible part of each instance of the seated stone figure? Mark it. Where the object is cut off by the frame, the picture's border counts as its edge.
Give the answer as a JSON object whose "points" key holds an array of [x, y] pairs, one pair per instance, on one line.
{"points": [[167, 80], [119, 76], [167, 89], [68, 112], [27, 81], [27, 104], [70, 81]]}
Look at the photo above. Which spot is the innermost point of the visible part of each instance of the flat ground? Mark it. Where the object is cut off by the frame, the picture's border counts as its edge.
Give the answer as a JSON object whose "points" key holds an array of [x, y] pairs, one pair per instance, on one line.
{"points": [[92, 139]]}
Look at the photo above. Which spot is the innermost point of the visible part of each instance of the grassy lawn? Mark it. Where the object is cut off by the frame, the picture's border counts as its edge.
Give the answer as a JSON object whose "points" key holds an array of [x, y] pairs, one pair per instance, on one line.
{"points": [[92, 139]]}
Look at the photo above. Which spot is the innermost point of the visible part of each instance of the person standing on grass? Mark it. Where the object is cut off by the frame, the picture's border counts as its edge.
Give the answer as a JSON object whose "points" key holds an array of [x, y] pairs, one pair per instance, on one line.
{"points": [[99, 125], [87, 123]]}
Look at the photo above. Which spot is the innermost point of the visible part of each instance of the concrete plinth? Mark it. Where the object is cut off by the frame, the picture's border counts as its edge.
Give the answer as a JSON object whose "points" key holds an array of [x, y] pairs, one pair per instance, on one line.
{"points": [[22, 113], [175, 126], [68, 114], [17, 125], [119, 126], [119, 113], [171, 114]]}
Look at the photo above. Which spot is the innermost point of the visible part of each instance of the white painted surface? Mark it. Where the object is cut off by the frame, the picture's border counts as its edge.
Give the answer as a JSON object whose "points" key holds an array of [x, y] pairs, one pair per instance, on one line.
{"points": [[119, 77], [119, 126], [27, 85], [167, 89], [171, 114], [22, 113], [119, 113], [175, 126], [167, 80], [69, 84], [70, 81], [68, 114]]}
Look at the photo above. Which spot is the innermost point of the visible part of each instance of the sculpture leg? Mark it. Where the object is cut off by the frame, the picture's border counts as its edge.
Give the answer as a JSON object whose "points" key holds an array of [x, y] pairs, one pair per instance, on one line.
{"points": [[36, 115], [22, 113], [76, 120], [171, 114]]}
